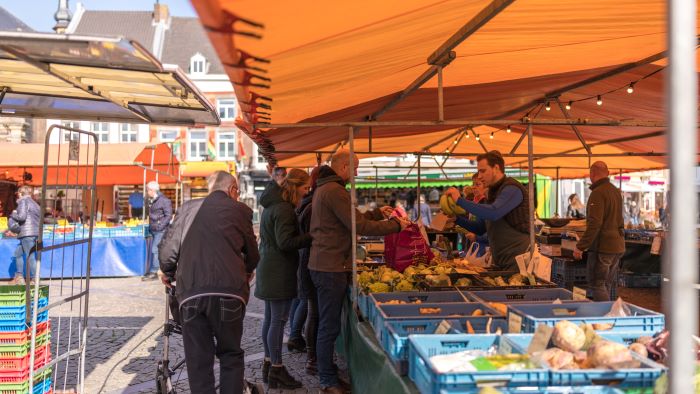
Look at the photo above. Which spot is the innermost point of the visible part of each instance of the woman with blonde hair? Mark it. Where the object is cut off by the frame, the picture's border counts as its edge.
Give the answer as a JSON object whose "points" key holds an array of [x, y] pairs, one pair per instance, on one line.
{"points": [[276, 279], [576, 209]]}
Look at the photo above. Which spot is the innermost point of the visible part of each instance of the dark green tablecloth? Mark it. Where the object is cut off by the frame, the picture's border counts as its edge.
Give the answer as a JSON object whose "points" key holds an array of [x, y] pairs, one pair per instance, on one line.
{"points": [[370, 369]]}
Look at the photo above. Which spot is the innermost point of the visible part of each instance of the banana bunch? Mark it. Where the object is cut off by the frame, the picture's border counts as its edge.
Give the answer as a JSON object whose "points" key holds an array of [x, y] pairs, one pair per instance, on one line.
{"points": [[449, 207]]}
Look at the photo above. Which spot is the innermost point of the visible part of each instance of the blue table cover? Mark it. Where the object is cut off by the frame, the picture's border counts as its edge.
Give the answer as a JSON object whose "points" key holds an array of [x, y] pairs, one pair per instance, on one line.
{"points": [[119, 256]]}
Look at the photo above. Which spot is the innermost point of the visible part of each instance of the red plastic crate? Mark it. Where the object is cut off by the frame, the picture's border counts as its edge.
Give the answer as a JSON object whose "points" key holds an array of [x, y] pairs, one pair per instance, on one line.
{"points": [[20, 337], [22, 377], [12, 366]]}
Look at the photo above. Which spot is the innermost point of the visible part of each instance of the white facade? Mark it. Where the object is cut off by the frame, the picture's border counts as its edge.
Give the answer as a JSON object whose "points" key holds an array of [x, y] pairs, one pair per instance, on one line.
{"points": [[108, 133]]}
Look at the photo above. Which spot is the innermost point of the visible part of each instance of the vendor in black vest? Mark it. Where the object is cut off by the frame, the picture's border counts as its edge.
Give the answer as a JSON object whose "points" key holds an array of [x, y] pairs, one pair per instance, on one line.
{"points": [[504, 216]]}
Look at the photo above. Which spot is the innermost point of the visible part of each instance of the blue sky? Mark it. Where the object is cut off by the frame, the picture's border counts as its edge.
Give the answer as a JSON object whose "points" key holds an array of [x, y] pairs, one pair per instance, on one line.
{"points": [[38, 14]]}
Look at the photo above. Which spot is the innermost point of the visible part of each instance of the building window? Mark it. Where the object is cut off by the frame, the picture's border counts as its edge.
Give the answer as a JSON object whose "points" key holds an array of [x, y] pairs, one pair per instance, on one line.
{"points": [[70, 135], [227, 108], [171, 136], [198, 64], [226, 145], [128, 132], [197, 145], [102, 131]]}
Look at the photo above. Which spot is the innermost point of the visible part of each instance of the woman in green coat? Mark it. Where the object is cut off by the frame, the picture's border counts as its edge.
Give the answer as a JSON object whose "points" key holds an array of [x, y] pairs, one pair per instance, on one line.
{"points": [[276, 277]]}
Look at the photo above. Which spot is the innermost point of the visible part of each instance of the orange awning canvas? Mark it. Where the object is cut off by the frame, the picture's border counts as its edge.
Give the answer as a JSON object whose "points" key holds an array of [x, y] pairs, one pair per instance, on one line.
{"points": [[323, 62], [118, 164]]}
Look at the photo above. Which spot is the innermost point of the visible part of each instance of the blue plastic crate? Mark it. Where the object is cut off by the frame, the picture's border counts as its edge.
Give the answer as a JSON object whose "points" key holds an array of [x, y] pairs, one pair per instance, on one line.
{"points": [[524, 296], [10, 325], [42, 387], [362, 304], [412, 312], [569, 270], [394, 338], [644, 376], [429, 381], [411, 296], [532, 315], [12, 311], [549, 390]]}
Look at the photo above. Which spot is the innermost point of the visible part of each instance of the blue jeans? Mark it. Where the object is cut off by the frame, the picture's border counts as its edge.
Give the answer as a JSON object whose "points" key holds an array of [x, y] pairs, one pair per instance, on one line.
{"points": [[603, 269], [155, 264], [22, 253], [330, 290], [297, 318], [276, 315]]}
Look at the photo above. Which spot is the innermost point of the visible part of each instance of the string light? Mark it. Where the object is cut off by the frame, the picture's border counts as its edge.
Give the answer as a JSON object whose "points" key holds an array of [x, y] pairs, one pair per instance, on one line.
{"points": [[508, 130], [467, 134], [630, 89], [477, 137], [547, 107], [568, 105], [600, 100], [491, 136]]}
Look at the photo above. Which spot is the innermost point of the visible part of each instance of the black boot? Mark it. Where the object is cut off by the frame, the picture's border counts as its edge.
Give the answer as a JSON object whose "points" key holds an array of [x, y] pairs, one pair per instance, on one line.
{"points": [[266, 370], [296, 344], [279, 378]]}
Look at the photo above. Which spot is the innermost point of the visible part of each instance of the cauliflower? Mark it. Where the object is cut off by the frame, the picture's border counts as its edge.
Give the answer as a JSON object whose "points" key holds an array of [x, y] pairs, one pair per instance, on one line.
{"points": [[379, 287], [410, 271], [568, 336], [403, 285], [386, 277]]}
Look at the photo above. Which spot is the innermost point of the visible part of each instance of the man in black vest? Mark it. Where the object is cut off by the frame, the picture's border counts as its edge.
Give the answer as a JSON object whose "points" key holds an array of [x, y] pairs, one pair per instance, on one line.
{"points": [[504, 216]]}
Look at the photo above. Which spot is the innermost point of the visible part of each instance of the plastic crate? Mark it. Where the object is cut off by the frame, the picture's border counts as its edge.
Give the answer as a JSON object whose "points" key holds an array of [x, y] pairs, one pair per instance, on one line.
{"points": [[528, 317], [41, 357], [551, 390], [644, 376], [569, 270], [541, 283], [362, 304], [522, 296], [19, 322], [21, 337], [22, 377], [16, 296], [17, 312], [40, 387], [431, 297], [21, 350], [429, 381], [632, 280], [412, 312], [394, 338]]}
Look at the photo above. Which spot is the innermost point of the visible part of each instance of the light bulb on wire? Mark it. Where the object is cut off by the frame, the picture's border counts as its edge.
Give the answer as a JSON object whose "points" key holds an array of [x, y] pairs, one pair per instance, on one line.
{"points": [[491, 137], [630, 89], [599, 101], [568, 105], [477, 137], [547, 107], [508, 130]]}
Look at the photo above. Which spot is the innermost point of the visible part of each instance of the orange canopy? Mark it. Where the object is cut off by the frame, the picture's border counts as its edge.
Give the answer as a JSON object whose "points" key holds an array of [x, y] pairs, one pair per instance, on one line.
{"points": [[344, 61], [118, 164]]}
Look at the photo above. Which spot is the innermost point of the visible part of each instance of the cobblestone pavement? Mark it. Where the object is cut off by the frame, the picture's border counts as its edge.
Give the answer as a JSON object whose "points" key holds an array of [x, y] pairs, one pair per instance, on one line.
{"points": [[125, 340]]}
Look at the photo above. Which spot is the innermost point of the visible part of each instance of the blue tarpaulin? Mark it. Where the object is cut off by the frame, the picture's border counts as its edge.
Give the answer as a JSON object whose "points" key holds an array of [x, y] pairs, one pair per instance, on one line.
{"points": [[119, 256]]}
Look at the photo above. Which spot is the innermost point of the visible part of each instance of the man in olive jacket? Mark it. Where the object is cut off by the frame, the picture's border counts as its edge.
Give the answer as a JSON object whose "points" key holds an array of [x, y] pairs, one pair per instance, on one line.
{"points": [[604, 238], [331, 255]]}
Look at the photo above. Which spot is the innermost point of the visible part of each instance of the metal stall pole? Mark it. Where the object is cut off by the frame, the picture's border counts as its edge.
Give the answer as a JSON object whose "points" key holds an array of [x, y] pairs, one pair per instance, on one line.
{"points": [[531, 190], [558, 192], [621, 180], [353, 219], [145, 196], [376, 186], [681, 264], [418, 218]]}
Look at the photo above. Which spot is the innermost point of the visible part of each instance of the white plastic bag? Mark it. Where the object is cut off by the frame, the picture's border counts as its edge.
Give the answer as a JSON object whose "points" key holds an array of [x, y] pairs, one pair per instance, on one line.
{"points": [[619, 309]]}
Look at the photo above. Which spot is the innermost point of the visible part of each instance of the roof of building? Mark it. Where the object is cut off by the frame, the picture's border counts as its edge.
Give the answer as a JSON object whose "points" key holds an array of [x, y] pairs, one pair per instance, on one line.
{"points": [[9, 22], [185, 38], [182, 40]]}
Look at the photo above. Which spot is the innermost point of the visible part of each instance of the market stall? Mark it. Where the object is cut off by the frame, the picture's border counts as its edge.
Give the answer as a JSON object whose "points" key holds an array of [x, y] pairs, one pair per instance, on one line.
{"points": [[550, 85]]}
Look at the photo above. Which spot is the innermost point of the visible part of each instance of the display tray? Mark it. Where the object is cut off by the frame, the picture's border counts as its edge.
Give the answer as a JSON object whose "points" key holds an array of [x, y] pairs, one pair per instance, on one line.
{"points": [[523, 296], [432, 297]]}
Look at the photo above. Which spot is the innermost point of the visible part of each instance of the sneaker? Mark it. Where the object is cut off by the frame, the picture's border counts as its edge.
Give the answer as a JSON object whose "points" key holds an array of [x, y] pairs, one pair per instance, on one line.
{"points": [[149, 276], [265, 370]]}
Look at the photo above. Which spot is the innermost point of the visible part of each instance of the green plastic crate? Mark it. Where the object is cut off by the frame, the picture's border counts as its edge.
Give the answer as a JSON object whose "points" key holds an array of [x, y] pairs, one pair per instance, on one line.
{"points": [[16, 295]]}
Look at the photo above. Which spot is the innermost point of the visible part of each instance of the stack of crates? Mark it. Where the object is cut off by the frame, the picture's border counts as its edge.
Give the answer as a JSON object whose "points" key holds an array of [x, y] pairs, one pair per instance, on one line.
{"points": [[16, 342]]}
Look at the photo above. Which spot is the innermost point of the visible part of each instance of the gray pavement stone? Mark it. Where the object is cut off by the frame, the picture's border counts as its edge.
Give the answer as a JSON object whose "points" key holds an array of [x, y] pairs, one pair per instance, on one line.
{"points": [[125, 343]]}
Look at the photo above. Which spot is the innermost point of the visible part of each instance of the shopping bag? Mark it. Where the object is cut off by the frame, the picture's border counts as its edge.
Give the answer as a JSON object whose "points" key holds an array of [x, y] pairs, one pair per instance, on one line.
{"points": [[406, 248], [539, 265]]}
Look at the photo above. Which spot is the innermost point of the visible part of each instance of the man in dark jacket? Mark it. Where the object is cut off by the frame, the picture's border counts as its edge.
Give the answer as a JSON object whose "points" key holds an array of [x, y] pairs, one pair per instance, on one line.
{"points": [[504, 217], [24, 221], [331, 255], [604, 238], [159, 215], [211, 251]]}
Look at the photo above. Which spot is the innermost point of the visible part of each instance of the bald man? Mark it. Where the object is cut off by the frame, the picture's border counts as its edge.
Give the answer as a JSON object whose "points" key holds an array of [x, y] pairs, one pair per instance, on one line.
{"points": [[330, 261], [604, 239]]}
